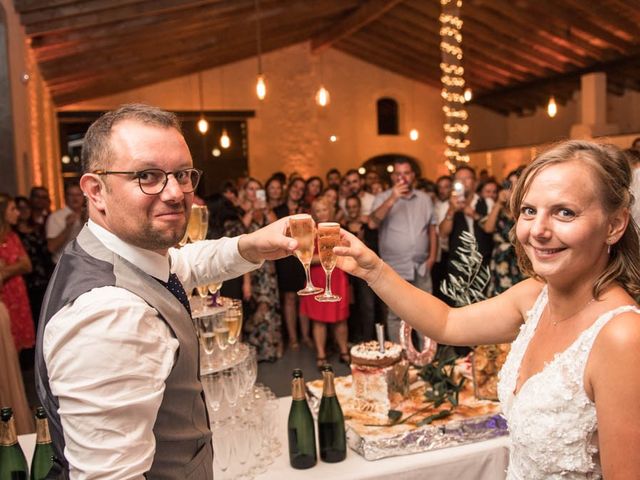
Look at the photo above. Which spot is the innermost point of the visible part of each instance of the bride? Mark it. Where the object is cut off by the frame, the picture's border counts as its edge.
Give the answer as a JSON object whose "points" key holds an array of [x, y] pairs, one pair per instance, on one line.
{"points": [[570, 388]]}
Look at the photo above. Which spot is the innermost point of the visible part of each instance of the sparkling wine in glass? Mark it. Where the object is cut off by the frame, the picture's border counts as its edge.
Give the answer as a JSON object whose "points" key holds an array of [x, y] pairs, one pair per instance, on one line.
{"points": [[233, 320], [302, 229], [195, 223], [328, 237]]}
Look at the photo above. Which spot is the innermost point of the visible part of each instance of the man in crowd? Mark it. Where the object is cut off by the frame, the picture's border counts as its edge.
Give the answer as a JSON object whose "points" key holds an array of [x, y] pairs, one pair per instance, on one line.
{"points": [[64, 225], [333, 178], [356, 185], [407, 233], [466, 210], [439, 271], [40, 205], [117, 355]]}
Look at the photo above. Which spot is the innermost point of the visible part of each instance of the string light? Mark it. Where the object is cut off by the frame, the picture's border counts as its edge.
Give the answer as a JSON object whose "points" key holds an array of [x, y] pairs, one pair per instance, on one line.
{"points": [[414, 134], [552, 108], [453, 91]]}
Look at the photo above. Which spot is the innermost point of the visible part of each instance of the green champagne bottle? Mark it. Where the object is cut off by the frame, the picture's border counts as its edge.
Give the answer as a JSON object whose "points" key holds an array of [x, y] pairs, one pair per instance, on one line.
{"points": [[302, 435], [13, 465], [331, 430], [43, 456]]}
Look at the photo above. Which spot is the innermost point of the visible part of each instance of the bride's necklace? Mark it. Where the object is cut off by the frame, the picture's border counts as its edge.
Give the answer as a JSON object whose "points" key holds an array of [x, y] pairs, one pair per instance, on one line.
{"points": [[561, 320]]}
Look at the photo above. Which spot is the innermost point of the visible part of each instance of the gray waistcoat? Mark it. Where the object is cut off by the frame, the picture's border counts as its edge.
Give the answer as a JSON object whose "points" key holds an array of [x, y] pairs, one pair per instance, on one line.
{"points": [[183, 438]]}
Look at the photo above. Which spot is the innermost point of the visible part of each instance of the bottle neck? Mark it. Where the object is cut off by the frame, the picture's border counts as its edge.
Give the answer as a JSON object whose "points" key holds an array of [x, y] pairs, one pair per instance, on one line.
{"points": [[328, 388], [42, 431], [297, 389], [8, 434]]}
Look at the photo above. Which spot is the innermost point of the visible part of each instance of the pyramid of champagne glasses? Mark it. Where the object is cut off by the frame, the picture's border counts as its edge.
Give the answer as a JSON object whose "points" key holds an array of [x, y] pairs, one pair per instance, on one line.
{"points": [[241, 412]]}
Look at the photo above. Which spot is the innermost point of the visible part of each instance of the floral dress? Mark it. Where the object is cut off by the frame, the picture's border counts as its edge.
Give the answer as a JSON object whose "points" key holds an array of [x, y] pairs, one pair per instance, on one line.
{"points": [[263, 325], [504, 264], [13, 294]]}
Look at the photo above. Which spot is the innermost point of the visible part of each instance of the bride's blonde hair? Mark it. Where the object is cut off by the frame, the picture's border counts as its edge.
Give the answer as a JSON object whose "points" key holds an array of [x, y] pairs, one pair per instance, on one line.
{"points": [[613, 179]]}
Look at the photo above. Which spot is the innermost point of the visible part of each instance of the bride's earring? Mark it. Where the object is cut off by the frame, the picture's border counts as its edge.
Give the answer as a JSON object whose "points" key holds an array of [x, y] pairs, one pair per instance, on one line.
{"points": [[608, 247]]}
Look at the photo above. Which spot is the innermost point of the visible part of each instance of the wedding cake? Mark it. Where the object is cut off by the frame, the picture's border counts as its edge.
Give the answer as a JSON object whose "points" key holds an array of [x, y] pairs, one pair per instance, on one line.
{"points": [[380, 379]]}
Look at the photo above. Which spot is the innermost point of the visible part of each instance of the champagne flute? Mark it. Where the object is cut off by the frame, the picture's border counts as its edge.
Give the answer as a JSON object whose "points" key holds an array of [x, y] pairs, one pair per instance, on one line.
{"points": [[302, 229], [214, 288], [204, 222], [195, 223], [233, 319], [328, 237]]}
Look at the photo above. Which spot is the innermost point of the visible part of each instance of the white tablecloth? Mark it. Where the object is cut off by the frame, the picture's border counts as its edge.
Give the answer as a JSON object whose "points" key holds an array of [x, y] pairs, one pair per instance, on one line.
{"points": [[486, 460]]}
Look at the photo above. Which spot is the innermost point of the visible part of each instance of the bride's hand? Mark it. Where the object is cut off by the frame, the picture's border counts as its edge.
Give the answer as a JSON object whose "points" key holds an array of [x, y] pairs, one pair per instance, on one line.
{"points": [[356, 259]]}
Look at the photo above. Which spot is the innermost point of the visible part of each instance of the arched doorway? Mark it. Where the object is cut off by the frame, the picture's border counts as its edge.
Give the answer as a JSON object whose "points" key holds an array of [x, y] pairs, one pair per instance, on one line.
{"points": [[381, 165]]}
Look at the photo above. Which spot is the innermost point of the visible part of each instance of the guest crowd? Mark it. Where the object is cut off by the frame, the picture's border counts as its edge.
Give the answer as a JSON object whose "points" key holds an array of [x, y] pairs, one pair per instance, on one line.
{"points": [[414, 224]]}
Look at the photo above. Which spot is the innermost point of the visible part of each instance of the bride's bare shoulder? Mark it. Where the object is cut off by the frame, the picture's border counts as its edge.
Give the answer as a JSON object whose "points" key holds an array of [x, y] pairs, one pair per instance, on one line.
{"points": [[524, 294]]}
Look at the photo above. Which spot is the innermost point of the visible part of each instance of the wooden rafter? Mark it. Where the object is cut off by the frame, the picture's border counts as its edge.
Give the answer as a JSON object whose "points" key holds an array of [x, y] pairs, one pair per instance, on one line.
{"points": [[364, 15]]}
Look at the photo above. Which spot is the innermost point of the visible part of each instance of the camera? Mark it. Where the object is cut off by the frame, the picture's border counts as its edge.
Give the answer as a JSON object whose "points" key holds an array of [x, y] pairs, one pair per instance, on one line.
{"points": [[458, 189]]}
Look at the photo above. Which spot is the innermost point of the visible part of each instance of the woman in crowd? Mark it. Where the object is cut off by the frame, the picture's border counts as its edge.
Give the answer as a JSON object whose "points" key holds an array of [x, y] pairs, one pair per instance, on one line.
{"points": [[274, 189], [291, 277], [14, 262], [488, 190], [333, 313], [260, 287], [504, 268], [331, 194], [313, 189], [570, 384], [35, 244]]}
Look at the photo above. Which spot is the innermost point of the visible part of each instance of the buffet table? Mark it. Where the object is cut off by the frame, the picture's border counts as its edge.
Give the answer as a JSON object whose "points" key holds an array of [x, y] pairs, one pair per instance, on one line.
{"points": [[486, 460]]}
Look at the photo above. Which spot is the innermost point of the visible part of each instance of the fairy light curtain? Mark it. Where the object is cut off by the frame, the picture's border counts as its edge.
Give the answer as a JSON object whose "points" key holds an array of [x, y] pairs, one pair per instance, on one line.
{"points": [[453, 85]]}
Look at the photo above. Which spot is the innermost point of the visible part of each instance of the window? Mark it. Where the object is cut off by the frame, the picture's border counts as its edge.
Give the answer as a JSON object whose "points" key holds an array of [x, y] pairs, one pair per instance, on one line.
{"points": [[387, 116]]}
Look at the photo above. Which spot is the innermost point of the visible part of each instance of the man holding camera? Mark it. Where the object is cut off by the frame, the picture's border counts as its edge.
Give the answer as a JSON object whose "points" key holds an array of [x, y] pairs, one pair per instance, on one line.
{"points": [[408, 240], [466, 210]]}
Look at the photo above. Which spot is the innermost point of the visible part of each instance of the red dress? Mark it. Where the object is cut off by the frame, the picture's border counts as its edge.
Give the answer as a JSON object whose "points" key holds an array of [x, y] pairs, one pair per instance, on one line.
{"points": [[327, 312], [13, 294]]}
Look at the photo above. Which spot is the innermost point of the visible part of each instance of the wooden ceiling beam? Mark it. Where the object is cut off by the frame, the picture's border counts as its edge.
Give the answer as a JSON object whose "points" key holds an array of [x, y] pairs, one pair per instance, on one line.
{"points": [[577, 22], [602, 14], [364, 15], [236, 38], [54, 12], [426, 45], [210, 17], [163, 70], [30, 5], [114, 15], [506, 45], [545, 84], [158, 43], [515, 17], [140, 37]]}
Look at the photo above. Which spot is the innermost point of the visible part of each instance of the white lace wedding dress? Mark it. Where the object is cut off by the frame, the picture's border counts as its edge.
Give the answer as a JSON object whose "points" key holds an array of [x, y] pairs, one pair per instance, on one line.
{"points": [[552, 422]]}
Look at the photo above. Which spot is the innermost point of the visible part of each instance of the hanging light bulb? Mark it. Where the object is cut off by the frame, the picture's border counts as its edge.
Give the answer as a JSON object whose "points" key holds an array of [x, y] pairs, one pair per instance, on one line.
{"points": [[203, 125], [414, 134], [225, 141], [552, 108], [322, 96], [261, 87], [468, 95]]}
